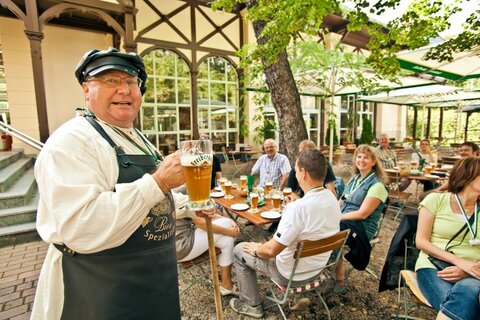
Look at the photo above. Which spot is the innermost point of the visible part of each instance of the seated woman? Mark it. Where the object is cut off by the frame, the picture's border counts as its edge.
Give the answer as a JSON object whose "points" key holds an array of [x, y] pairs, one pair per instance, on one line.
{"points": [[191, 240], [361, 204], [426, 156], [447, 235]]}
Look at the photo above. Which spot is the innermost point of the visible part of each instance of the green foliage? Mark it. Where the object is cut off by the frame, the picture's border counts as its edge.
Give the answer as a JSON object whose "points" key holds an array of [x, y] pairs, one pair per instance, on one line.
{"points": [[331, 124], [287, 20], [367, 132]]}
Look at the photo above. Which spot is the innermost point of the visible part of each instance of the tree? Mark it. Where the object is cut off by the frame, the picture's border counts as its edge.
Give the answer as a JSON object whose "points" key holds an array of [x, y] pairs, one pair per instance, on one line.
{"points": [[277, 23], [367, 132]]}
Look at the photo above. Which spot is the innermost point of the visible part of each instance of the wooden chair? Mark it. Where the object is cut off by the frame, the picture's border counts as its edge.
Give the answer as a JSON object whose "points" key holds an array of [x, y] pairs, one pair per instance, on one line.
{"points": [[305, 249], [195, 271]]}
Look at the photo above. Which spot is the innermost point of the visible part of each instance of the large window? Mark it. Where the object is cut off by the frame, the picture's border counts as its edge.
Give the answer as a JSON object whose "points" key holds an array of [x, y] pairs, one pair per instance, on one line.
{"points": [[3, 91], [166, 110], [218, 101], [348, 115]]}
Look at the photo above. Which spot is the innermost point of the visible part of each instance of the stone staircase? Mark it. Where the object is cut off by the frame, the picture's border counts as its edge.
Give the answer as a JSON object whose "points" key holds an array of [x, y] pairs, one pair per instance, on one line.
{"points": [[18, 198]]}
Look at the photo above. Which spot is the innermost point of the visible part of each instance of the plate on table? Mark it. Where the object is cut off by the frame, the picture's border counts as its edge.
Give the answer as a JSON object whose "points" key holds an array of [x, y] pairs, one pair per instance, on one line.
{"points": [[218, 188], [271, 214], [432, 176], [217, 194], [239, 206]]}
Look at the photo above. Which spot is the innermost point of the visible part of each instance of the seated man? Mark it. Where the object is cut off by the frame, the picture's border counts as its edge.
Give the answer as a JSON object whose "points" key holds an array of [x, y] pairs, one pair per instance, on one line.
{"points": [[467, 149], [272, 166], [313, 217]]}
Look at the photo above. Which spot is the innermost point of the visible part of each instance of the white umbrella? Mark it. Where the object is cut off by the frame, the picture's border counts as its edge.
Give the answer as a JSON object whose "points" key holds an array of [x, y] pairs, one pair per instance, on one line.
{"points": [[465, 65], [414, 96]]}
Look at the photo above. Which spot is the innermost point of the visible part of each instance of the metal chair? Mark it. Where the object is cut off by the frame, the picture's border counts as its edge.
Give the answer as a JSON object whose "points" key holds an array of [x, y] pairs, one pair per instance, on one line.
{"points": [[396, 196], [305, 249], [195, 271]]}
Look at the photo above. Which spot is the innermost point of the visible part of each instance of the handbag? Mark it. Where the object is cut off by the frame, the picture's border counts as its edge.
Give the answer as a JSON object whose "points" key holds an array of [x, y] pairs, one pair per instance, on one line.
{"points": [[442, 264]]}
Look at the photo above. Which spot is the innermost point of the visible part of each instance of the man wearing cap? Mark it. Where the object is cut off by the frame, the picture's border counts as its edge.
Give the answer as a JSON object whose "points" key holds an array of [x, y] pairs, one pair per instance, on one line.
{"points": [[105, 205]]}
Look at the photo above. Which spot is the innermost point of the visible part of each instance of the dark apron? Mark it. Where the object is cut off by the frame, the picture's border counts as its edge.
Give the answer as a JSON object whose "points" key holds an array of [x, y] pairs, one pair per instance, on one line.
{"points": [[136, 280]]}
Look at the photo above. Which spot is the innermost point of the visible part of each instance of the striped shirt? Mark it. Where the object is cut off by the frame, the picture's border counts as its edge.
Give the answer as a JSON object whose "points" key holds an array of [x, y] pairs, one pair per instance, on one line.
{"points": [[387, 157], [271, 169]]}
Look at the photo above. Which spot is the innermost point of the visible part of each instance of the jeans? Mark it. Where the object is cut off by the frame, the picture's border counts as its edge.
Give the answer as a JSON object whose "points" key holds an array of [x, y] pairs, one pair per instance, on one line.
{"points": [[246, 267], [459, 300]]}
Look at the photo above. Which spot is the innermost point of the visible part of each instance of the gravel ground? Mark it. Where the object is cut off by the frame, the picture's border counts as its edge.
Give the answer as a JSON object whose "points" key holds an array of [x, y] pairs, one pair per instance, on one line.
{"points": [[360, 301]]}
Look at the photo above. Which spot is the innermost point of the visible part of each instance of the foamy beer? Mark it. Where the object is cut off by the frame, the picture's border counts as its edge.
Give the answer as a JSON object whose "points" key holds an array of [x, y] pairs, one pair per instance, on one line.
{"points": [[413, 165], [228, 190], [221, 183], [253, 202], [287, 191], [196, 157], [243, 181], [268, 188], [428, 169], [277, 200]]}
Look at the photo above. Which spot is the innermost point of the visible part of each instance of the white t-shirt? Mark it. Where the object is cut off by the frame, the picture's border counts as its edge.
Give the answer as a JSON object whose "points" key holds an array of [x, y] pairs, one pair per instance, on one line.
{"points": [[315, 216]]}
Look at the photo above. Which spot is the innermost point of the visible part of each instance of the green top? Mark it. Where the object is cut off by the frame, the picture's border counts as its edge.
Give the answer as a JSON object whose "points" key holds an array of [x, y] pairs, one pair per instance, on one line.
{"points": [[446, 223], [378, 191]]}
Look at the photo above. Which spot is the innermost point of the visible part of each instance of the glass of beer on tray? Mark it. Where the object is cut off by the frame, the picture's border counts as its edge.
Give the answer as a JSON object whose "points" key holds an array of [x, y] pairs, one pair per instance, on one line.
{"points": [[276, 200], [268, 188], [243, 181], [253, 202], [196, 157], [228, 190]]}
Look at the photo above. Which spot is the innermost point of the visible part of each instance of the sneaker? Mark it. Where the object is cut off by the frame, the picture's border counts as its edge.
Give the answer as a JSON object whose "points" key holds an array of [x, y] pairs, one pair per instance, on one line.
{"points": [[243, 308], [226, 292]]}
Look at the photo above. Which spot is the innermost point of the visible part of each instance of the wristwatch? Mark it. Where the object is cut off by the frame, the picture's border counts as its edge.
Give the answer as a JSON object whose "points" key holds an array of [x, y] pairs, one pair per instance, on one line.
{"points": [[255, 252]]}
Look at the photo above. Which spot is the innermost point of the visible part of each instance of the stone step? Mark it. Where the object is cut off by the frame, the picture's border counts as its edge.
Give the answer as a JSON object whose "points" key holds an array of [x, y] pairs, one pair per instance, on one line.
{"points": [[21, 192], [19, 233], [19, 215], [8, 157], [10, 174]]}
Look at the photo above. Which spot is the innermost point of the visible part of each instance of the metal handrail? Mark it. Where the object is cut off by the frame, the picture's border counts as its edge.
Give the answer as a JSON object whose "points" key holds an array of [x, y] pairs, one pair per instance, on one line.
{"points": [[21, 136]]}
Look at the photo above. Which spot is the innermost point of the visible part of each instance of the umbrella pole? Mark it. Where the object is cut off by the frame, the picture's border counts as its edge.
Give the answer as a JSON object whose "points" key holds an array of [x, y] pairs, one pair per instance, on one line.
{"points": [[213, 266]]}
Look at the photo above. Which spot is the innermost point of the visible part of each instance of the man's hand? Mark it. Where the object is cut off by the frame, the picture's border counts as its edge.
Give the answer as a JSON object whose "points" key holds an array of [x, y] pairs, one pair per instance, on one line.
{"points": [[250, 247], [206, 213], [169, 174]]}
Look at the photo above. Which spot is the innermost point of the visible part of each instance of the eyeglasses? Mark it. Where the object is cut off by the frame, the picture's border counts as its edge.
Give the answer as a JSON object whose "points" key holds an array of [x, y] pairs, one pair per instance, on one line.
{"points": [[112, 81]]}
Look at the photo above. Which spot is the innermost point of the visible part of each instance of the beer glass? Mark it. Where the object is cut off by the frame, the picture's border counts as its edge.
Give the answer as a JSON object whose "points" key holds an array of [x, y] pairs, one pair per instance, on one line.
{"points": [[228, 190], [268, 188], [428, 169], [243, 181], [286, 192], [277, 200], [253, 202], [414, 165], [196, 157], [221, 183]]}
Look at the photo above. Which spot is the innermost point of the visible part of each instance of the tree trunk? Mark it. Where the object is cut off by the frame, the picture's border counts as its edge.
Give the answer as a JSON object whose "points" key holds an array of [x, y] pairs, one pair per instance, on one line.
{"points": [[285, 100]]}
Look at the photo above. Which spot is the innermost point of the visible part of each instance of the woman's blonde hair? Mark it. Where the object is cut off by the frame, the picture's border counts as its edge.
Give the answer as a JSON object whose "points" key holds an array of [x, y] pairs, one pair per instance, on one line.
{"points": [[306, 144], [370, 151]]}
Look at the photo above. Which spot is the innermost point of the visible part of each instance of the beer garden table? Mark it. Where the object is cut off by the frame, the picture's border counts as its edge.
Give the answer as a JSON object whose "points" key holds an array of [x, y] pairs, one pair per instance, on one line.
{"points": [[255, 218]]}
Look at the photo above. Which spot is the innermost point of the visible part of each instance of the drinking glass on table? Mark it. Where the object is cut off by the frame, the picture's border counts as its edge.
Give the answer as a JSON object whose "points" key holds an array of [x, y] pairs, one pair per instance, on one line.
{"points": [[253, 202], [221, 183], [268, 188], [414, 165], [276, 200], [243, 181], [286, 192], [228, 190], [196, 157], [428, 169]]}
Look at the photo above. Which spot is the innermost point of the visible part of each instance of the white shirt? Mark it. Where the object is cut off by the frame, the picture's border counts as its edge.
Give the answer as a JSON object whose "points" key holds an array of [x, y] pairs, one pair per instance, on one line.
{"points": [[76, 172], [271, 169], [313, 217]]}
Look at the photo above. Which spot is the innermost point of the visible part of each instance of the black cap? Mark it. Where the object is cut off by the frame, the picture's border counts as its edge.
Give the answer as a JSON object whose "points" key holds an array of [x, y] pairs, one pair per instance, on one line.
{"points": [[96, 61]]}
